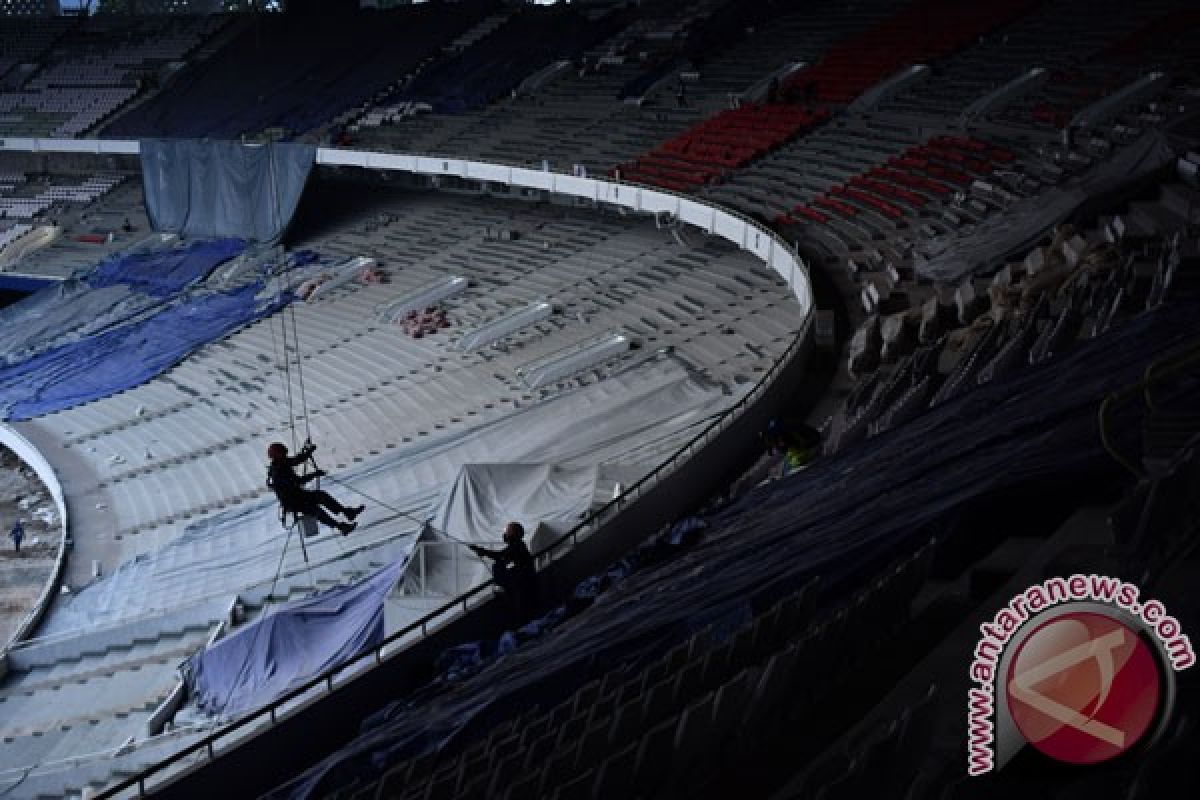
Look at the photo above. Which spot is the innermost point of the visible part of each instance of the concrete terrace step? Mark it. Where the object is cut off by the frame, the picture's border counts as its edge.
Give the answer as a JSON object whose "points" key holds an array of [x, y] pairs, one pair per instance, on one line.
{"points": [[31, 682]]}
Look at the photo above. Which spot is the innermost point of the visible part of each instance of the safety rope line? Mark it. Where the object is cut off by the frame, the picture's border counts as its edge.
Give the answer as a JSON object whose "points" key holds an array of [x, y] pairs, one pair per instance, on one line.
{"points": [[257, 628], [284, 382], [286, 365], [399, 512], [299, 367]]}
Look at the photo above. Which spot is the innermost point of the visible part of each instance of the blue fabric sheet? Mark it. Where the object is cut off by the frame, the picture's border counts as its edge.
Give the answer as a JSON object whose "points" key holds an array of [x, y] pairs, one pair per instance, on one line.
{"points": [[211, 188], [125, 356], [122, 289], [298, 641], [164, 272], [22, 283], [840, 518]]}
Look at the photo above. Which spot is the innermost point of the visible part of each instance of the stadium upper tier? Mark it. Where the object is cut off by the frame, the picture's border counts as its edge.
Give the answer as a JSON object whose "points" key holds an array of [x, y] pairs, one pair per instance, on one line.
{"points": [[64, 78]]}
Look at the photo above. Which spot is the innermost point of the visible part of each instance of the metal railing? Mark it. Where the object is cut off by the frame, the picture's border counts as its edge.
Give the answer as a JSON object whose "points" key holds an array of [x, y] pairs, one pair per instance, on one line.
{"points": [[31, 456], [442, 165]]}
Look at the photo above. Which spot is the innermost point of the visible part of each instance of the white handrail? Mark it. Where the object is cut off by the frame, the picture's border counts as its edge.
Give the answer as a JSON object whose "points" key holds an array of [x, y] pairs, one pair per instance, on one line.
{"points": [[718, 220], [49, 478]]}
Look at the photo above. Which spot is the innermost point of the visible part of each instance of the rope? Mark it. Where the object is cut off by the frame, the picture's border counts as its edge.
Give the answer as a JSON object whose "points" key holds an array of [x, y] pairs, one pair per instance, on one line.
{"points": [[287, 370], [284, 380], [399, 512], [299, 367], [258, 626]]}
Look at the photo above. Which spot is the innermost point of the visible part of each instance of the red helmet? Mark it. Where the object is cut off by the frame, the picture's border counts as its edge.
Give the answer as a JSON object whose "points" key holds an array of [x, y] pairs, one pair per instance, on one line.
{"points": [[514, 531], [276, 450]]}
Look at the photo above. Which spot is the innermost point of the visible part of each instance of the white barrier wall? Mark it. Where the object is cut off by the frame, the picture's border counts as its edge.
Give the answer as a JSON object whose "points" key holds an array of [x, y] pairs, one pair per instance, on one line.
{"points": [[122, 147], [742, 231]]}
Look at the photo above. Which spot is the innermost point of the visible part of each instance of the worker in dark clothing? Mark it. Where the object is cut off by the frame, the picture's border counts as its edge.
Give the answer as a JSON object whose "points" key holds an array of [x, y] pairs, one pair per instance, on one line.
{"points": [[514, 571], [773, 91], [798, 445], [17, 534], [295, 499]]}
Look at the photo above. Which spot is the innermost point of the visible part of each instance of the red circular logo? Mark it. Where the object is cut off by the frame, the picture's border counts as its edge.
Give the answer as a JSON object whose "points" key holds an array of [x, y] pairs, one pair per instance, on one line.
{"points": [[1083, 688]]}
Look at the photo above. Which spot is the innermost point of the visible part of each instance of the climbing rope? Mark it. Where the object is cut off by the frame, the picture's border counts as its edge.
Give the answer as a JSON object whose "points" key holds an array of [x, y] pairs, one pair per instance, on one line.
{"points": [[399, 512], [283, 367], [258, 627]]}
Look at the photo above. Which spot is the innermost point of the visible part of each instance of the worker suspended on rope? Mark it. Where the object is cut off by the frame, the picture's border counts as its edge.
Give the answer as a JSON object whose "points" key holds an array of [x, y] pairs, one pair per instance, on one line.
{"points": [[294, 498]]}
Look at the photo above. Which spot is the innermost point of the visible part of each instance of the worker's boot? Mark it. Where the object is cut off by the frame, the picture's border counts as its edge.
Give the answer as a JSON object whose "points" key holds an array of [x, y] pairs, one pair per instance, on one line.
{"points": [[347, 527], [352, 513]]}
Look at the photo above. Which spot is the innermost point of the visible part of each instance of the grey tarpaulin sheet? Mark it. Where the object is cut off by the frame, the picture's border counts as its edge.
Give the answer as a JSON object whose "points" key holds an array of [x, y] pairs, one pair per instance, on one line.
{"points": [[1018, 229], [207, 188], [290, 645]]}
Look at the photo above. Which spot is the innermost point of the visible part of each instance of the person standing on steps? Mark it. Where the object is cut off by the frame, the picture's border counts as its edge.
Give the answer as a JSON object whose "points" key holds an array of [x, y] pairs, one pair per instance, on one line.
{"points": [[294, 498]]}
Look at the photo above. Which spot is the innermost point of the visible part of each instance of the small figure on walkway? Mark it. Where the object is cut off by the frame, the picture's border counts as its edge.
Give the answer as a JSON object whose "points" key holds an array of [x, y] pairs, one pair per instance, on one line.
{"points": [[17, 534]]}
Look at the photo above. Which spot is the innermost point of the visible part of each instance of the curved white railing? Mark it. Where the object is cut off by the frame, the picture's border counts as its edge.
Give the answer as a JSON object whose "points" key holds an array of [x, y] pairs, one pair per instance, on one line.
{"points": [[730, 225], [741, 230], [49, 478]]}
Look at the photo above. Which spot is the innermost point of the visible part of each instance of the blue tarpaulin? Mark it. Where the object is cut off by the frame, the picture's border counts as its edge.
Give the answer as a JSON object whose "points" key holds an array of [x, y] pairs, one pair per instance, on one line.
{"points": [[165, 272], [118, 291], [125, 356], [23, 283], [220, 188], [295, 643], [133, 317]]}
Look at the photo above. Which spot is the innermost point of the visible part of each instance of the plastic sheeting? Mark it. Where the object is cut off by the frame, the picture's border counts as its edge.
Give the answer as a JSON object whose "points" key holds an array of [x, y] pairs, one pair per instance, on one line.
{"points": [[165, 272], [841, 518], [119, 290], [120, 358], [629, 423], [486, 497], [133, 317], [291, 645], [1018, 229], [215, 188]]}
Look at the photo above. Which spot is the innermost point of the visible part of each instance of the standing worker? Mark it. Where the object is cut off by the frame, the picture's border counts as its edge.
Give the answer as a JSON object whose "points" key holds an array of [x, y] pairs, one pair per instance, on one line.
{"points": [[17, 534], [797, 445]]}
